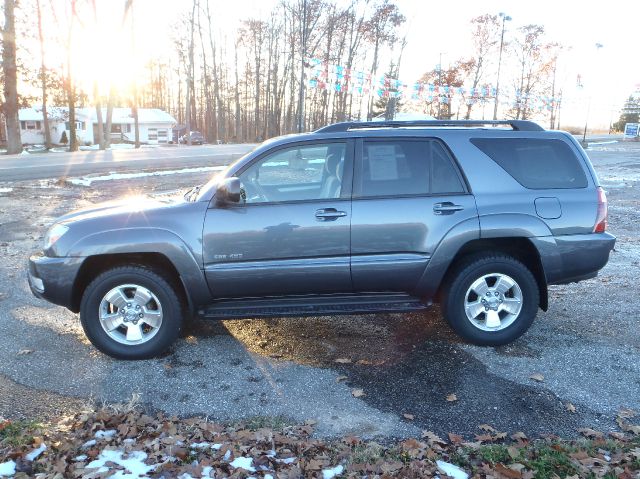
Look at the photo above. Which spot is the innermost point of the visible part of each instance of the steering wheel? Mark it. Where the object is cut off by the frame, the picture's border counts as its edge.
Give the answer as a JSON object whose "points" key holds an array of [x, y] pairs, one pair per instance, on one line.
{"points": [[253, 191]]}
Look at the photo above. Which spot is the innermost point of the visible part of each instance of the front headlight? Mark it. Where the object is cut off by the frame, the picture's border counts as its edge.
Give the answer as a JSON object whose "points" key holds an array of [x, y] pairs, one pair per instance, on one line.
{"points": [[54, 234]]}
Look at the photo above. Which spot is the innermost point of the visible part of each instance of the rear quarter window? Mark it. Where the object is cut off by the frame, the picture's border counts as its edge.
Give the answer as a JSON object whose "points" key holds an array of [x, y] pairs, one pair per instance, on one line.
{"points": [[535, 163]]}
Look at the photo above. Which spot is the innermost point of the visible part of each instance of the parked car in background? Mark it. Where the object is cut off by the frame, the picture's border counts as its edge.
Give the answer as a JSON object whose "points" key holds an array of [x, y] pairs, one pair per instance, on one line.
{"points": [[479, 216], [197, 138]]}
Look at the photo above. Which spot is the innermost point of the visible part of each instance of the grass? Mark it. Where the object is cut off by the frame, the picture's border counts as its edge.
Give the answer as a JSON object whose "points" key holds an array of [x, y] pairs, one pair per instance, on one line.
{"points": [[17, 433], [494, 454], [549, 462]]}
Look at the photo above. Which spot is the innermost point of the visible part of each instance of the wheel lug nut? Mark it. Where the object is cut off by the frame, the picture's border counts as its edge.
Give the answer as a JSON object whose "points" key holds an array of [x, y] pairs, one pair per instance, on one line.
{"points": [[137, 307], [140, 315], [496, 293], [128, 305], [488, 293]]}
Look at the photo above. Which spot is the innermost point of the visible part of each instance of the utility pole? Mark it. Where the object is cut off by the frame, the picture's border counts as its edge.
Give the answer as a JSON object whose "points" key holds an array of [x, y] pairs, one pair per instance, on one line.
{"points": [[439, 86], [505, 18], [303, 53], [586, 120]]}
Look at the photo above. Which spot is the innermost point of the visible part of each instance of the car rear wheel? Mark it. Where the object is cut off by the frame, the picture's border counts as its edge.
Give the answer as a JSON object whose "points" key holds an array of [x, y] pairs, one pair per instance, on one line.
{"points": [[491, 300], [131, 312]]}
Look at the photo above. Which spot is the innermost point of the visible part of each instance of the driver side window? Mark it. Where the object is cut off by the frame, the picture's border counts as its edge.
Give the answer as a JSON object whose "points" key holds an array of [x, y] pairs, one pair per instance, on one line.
{"points": [[295, 174]]}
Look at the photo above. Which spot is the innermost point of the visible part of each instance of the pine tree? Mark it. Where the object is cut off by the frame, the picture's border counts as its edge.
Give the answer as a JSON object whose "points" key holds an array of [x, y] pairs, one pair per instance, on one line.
{"points": [[630, 113]]}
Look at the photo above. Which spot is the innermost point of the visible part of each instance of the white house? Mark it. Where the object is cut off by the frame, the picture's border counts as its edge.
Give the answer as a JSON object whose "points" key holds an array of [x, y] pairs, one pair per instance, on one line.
{"points": [[155, 125]]}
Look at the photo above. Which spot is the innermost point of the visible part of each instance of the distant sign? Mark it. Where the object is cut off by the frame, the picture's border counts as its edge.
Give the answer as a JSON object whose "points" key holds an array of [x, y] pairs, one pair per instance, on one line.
{"points": [[631, 130]]}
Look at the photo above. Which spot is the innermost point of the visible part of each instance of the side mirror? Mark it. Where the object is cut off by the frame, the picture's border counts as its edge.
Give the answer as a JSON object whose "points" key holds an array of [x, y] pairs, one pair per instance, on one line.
{"points": [[228, 191]]}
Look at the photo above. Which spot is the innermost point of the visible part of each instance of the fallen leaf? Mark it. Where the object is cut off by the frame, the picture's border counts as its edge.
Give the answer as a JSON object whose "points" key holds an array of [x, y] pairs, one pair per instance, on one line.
{"points": [[343, 361], [356, 393], [339, 379], [537, 377], [452, 397], [519, 436], [589, 433], [570, 407], [433, 438], [507, 471], [626, 413], [22, 352], [455, 438], [410, 417], [364, 362], [487, 428]]}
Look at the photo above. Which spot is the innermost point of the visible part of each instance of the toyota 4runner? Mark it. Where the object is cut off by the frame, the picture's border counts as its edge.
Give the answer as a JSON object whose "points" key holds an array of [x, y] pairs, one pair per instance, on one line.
{"points": [[353, 218]]}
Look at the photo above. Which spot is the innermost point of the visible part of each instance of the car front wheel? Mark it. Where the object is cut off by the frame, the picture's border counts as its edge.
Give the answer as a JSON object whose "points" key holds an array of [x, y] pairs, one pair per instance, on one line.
{"points": [[491, 300], [131, 312]]}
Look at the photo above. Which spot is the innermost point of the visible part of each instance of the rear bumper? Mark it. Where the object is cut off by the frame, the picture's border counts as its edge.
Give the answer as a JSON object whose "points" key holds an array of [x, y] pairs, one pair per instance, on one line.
{"points": [[580, 257], [53, 278]]}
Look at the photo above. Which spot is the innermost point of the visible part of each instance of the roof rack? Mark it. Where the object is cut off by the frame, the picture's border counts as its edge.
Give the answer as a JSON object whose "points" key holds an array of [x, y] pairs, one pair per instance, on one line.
{"points": [[516, 125]]}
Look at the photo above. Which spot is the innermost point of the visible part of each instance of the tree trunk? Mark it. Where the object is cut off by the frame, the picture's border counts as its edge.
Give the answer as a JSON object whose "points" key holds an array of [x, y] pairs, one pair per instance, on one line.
{"points": [[107, 133], [71, 91], [43, 79], [188, 103], [237, 95], [100, 128], [14, 142]]}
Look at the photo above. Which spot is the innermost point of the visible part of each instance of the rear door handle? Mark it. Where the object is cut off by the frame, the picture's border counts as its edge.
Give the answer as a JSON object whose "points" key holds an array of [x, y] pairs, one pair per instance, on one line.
{"points": [[446, 208], [329, 214]]}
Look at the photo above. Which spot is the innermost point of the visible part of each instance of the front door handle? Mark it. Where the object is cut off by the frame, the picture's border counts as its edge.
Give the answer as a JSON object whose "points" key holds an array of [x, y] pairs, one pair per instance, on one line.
{"points": [[329, 214], [446, 208]]}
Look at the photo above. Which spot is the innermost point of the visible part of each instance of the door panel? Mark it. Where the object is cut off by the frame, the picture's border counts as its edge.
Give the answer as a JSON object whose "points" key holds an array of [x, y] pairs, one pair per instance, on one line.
{"points": [[292, 235], [258, 250], [392, 239], [408, 194]]}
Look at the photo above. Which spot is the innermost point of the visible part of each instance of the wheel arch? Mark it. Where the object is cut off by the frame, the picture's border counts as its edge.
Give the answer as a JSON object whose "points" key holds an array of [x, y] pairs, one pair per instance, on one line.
{"points": [[147, 247], [97, 264], [519, 248]]}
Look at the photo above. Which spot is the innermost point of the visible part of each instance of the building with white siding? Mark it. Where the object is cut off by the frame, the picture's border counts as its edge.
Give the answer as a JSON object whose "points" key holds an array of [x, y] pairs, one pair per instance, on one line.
{"points": [[155, 125]]}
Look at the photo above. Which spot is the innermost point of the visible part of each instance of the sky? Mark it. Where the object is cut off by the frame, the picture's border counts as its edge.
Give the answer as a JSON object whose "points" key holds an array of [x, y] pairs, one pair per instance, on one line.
{"points": [[433, 28]]}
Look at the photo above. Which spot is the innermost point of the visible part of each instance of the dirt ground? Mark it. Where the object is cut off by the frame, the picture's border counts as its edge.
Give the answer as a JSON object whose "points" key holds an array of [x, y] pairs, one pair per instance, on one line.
{"points": [[586, 347]]}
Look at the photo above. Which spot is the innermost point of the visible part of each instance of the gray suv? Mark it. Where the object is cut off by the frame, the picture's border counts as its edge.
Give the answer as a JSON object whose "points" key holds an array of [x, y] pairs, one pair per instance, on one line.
{"points": [[353, 218]]}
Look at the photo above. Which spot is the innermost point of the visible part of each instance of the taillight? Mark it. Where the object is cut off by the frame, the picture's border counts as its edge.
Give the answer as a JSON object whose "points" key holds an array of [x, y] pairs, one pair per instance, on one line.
{"points": [[601, 217]]}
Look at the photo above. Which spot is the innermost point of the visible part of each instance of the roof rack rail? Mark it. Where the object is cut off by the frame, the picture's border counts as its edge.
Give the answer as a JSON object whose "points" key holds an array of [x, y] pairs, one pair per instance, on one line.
{"points": [[516, 125]]}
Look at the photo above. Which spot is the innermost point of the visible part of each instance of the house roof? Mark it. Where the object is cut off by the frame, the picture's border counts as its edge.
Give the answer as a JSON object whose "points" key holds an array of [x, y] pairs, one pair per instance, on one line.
{"points": [[120, 115]]}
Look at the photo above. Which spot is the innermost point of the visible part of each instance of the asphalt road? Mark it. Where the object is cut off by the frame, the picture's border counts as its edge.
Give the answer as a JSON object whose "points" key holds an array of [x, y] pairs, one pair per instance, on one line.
{"points": [[587, 346], [57, 165]]}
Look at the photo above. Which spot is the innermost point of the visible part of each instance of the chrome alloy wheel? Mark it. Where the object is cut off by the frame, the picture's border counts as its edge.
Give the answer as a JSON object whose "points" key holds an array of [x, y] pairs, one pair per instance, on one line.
{"points": [[130, 314], [493, 302]]}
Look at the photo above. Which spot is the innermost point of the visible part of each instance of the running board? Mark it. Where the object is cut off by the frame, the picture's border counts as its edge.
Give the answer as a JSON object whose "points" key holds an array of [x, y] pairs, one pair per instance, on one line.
{"points": [[276, 307]]}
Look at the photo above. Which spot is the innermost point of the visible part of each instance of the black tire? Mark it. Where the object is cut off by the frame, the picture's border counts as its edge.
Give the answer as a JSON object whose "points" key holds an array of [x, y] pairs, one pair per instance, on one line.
{"points": [[170, 307], [472, 270]]}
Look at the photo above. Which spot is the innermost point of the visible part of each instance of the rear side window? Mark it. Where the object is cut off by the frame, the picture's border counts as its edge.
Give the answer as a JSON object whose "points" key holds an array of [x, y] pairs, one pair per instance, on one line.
{"points": [[406, 167], [535, 163]]}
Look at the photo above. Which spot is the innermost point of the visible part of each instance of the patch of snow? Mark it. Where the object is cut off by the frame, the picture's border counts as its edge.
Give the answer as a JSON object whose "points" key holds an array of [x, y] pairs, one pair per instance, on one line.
{"points": [[126, 176], [200, 445], [134, 463], [227, 455], [288, 460], [129, 441], [25, 152], [6, 190], [216, 446], [105, 434], [451, 470], [186, 475], [33, 455], [7, 468], [80, 458], [331, 473], [208, 470], [90, 443], [608, 142], [245, 463], [268, 476]]}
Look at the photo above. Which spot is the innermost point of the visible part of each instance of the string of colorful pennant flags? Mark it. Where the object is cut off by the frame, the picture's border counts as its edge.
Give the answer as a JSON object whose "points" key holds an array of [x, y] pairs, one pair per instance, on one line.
{"points": [[326, 76]]}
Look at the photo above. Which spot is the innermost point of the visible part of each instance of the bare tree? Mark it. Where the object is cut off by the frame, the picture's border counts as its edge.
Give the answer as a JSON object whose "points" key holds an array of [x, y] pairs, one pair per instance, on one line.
{"points": [[43, 80], [486, 36], [9, 68]]}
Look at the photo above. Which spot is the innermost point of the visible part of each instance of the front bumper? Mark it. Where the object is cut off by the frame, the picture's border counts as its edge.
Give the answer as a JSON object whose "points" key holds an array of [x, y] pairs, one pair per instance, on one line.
{"points": [[53, 279]]}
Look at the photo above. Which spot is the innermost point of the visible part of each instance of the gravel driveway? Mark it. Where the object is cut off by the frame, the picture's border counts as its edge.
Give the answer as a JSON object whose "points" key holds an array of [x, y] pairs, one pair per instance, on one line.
{"points": [[586, 347]]}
